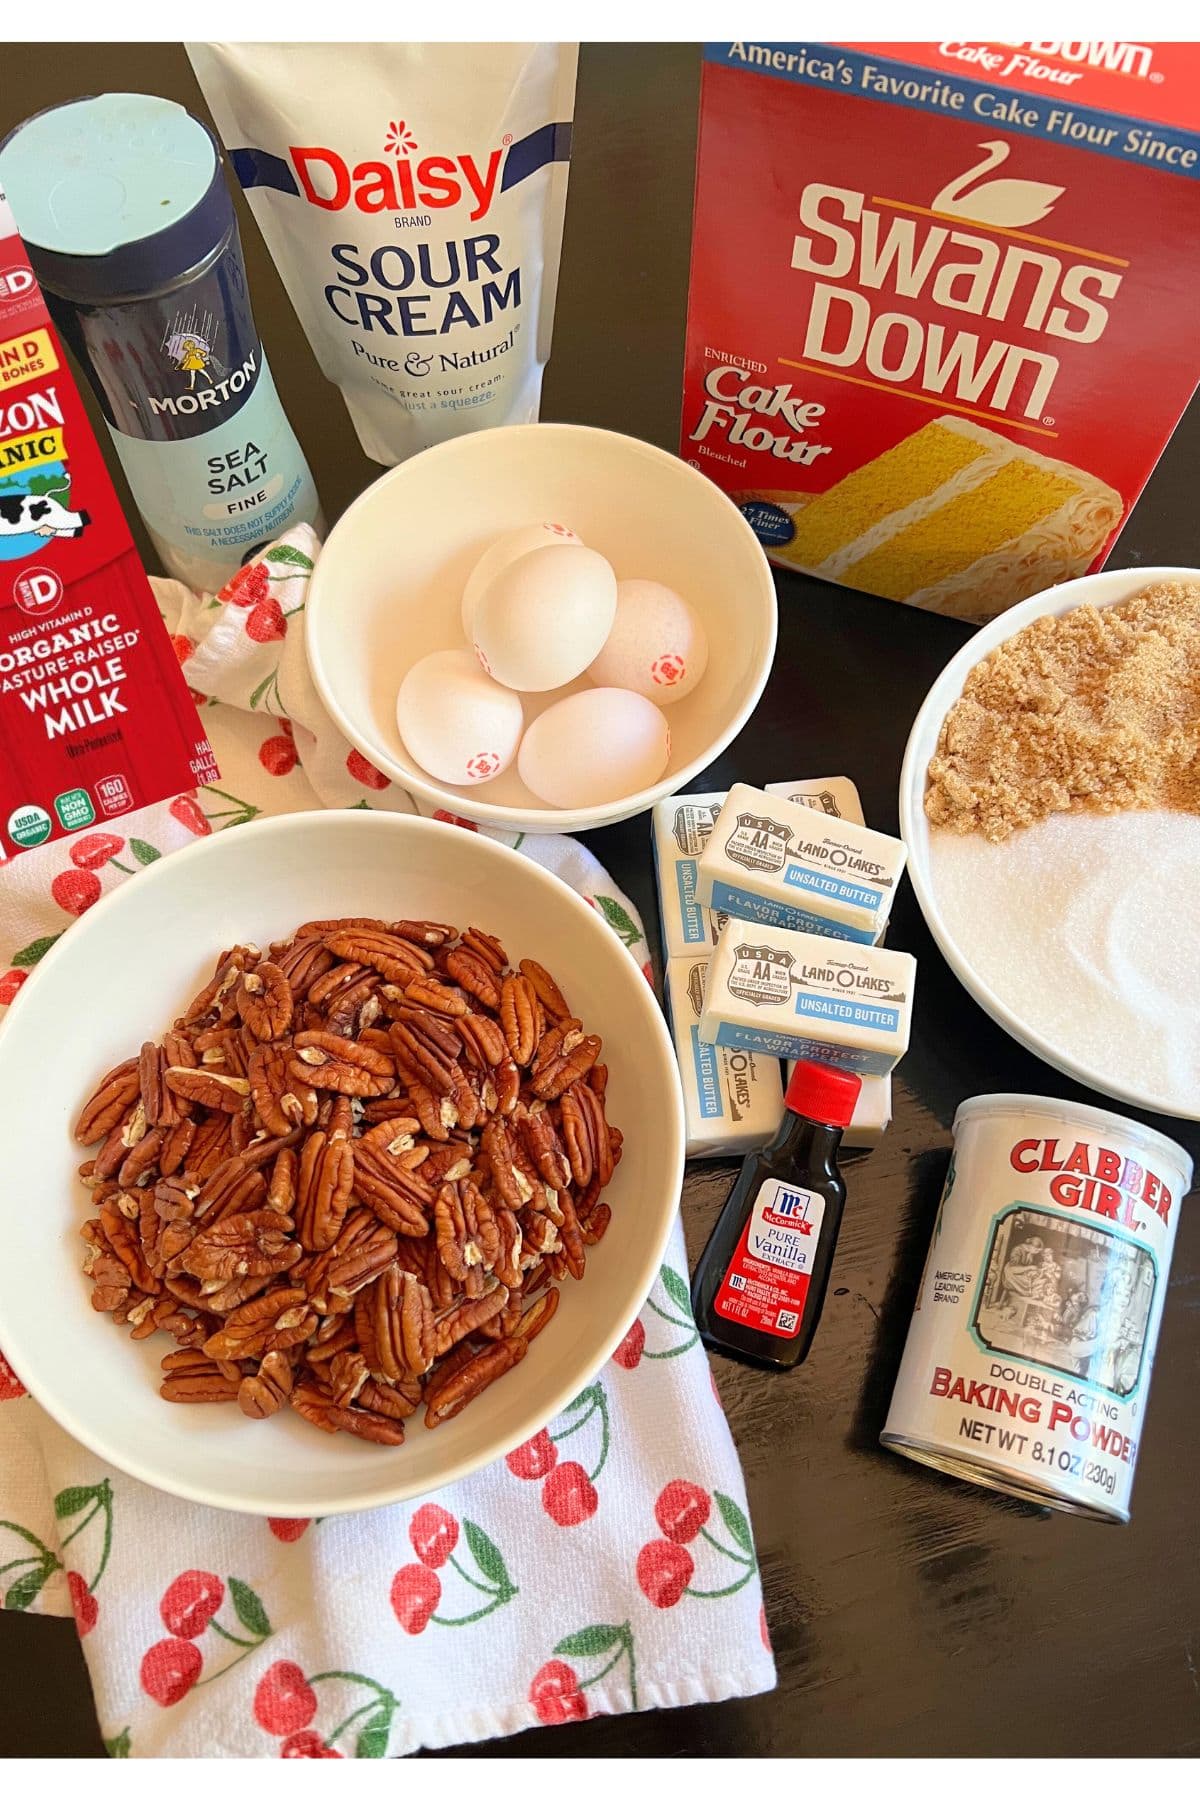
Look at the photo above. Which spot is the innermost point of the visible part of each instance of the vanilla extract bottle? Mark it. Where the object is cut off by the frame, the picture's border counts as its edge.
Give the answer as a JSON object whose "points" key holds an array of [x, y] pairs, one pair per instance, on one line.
{"points": [[760, 1284]]}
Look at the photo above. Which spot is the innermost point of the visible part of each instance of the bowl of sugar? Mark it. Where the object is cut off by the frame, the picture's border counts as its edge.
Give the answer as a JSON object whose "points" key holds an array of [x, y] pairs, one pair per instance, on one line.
{"points": [[1065, 901], [394, 588]]}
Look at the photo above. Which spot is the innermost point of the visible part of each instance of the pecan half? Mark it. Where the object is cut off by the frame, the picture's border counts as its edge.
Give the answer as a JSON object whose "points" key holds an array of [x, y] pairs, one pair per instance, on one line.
{"points": [[564, 1056], [263, 1393], [340, 1065], [423, 931], [204, 1087], [542, 1142], [473, 973], [519, 1017], [192, 1378], [430, 993], [363, 1250], [422, 1052], [395, 957], [466, 1316], [109, 1104], [468, 1382], [244, 1244], [264, 1001], [468, 1240], [274, 1321], [280, 1100], [233, 1187], [483, 1039], [546, 989], [323, 1185]]}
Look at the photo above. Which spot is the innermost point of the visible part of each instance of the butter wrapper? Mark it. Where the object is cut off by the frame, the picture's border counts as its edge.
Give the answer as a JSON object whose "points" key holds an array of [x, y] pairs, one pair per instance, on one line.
{"points": [[682, 827], [733, 1099], [795, 994], [777, 863]]}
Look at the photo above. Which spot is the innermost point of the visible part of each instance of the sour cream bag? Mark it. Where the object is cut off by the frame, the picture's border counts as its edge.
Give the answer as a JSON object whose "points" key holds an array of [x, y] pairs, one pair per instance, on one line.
{"points": [[412, 197]]}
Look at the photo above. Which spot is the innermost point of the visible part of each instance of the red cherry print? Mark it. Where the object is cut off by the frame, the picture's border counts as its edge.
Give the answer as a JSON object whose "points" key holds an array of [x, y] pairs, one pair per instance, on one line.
{"points": [[9, 983], [663, 1571], [11, 1385], [287, 728], [93, 851], [433, 1534], [184, 810], [449, 818], [83, 1603], [277, 755], [763, 1633], [75, 890], [555, 1694], [199, 698], [648, 972], [283, 1700], [248, 586], [307, 1743], [416, 1590], [628, 1353], [681, 1509], [569, 1495], [534, 1458], [288, 1530], [265, 621], [182, 646], [190, 1602], [364, 771], [170, 1669]]}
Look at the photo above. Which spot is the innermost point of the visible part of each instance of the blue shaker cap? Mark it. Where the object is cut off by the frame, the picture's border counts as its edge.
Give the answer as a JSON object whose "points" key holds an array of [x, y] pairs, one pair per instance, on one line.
{"points": [[115, 195]]}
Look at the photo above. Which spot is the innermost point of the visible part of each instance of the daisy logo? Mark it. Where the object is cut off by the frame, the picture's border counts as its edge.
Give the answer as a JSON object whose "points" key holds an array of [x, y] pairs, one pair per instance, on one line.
{"points": [[399, 138], [483, 766], [668, 669]]}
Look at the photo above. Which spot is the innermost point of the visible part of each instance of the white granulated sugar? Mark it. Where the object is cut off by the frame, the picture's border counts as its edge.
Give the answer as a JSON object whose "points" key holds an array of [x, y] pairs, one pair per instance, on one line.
{"points": [[1088, 928]]}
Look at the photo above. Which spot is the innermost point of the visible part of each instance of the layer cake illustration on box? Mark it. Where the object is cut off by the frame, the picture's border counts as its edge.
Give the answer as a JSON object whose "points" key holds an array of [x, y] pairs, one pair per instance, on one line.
{"points": [[953, 518]]}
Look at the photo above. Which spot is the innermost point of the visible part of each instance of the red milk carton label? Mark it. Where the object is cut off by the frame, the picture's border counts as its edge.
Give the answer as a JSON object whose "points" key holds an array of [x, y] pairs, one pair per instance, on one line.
{"points": [[95, 716], [941, 319]]}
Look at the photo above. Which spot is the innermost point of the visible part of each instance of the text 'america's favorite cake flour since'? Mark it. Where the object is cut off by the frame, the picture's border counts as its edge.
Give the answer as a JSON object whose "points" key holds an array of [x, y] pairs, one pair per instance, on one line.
{"points": [[940, 320], [412, 196]]}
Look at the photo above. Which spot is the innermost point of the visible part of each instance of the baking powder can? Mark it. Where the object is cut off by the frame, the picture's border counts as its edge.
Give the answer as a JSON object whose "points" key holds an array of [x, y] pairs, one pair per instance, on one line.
{"points": [[1029, 1355]]}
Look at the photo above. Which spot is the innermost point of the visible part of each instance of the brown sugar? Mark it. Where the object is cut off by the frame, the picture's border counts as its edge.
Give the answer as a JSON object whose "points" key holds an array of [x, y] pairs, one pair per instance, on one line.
{"points": [[1096, 711]]}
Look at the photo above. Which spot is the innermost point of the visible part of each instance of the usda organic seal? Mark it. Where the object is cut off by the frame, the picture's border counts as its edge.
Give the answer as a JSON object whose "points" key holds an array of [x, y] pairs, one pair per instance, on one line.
{"points": [[29, 825]]}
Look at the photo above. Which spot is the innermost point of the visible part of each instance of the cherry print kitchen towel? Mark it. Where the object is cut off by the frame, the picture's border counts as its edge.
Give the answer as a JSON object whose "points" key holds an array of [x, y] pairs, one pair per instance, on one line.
{"points": [[604, 1566]]}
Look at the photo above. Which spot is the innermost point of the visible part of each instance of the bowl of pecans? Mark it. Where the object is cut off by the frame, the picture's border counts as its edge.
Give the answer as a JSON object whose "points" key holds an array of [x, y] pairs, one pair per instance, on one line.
{"points": [[355, 1141]]}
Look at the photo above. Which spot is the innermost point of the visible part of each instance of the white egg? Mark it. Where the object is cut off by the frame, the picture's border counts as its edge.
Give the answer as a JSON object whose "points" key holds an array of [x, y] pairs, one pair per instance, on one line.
{"points": [[657, 645], [506, 549], [601, 745], [544, 617], [461, 726]]}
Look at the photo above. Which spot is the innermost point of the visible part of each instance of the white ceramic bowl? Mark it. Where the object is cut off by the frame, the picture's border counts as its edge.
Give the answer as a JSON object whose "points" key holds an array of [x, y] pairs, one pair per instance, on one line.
{"points": [[388, 586], [124, 971], [1095, 590]]}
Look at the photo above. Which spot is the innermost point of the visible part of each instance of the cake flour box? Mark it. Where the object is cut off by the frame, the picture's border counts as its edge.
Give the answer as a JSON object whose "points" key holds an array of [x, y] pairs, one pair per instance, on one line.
{"points": [[95, 717], [412, 196], [942, 297]]}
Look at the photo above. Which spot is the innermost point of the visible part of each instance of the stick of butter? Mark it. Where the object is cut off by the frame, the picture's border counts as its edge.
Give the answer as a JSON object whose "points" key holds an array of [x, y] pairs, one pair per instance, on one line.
{"points": [[778, 863], [872, 1112], [733, 1100], [682, 826], [835, 794], [794, 994]]}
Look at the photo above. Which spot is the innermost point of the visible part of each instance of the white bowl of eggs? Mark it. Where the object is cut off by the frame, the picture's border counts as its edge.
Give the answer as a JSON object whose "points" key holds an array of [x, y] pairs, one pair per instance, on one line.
{"points": [[541, 627]]}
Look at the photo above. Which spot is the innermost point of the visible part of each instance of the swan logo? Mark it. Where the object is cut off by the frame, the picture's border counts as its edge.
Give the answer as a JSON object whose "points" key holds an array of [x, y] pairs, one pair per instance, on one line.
{"points": [[1007, 203]]}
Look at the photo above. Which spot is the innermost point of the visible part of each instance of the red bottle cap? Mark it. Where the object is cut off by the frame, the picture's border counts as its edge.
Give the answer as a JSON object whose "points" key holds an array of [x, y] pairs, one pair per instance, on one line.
{"points": [[822, 1093]]}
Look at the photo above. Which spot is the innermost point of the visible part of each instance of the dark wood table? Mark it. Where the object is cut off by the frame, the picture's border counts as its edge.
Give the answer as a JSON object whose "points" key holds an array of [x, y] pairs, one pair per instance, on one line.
{"points": [[911, 1614]]}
